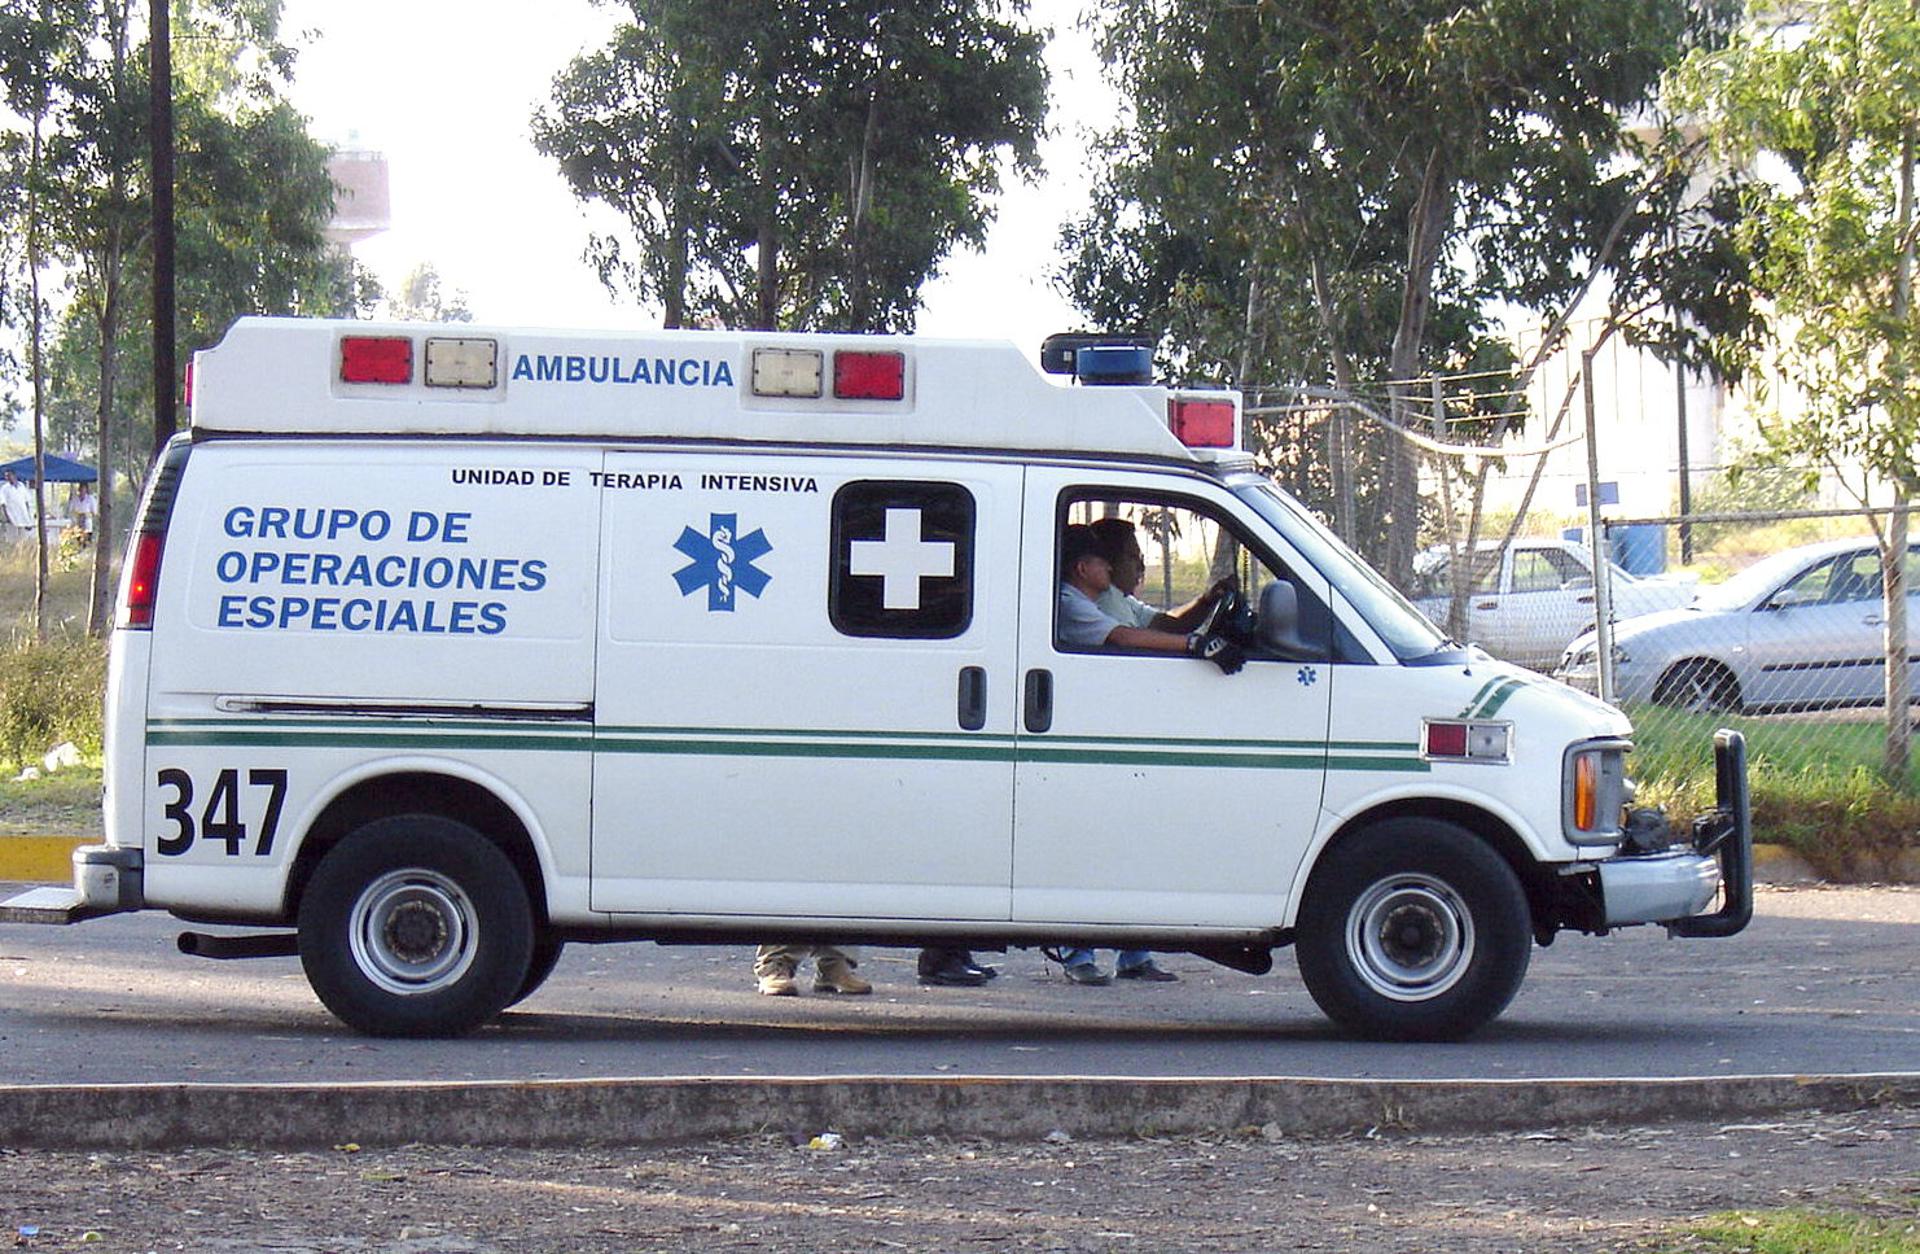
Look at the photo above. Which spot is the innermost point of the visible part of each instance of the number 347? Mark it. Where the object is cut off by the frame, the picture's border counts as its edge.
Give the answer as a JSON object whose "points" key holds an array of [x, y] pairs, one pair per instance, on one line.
{"points": [[219, 819]]}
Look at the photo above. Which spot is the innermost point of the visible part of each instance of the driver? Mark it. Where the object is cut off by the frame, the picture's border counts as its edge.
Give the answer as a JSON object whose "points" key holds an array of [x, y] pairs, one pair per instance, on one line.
{"points": [[1086, 574], [1120, 545]]}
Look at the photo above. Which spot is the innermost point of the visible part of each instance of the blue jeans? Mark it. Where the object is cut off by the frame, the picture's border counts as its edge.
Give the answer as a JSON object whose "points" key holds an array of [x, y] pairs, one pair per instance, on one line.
{"points": [[1126, 960]]}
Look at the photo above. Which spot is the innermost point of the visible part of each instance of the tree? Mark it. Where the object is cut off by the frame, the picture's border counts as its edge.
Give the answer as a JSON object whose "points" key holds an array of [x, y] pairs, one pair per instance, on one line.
{"points": [[1334, 190], [786, 163], [253, 198], [1820, 101], [420, 299]]}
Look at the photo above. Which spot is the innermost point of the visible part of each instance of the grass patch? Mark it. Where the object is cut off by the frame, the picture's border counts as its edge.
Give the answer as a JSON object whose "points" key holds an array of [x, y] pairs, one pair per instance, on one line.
{"points": [[65, 803], [69, 584], [1815, 785], [50, 693], [1876, 1229]]}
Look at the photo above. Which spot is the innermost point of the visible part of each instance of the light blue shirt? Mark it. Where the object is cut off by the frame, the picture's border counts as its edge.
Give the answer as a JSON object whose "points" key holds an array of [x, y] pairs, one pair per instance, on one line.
{"points": [[1126, 609], [1083, 624]]}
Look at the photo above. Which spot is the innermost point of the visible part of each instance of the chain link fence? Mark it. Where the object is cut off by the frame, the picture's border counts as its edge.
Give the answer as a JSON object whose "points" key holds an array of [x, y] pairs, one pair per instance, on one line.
{"points": [[1772, 620]]}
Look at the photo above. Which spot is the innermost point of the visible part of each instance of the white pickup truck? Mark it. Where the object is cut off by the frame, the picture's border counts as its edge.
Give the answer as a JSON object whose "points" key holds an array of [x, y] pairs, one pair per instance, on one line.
{"points": [[1528, 600]]}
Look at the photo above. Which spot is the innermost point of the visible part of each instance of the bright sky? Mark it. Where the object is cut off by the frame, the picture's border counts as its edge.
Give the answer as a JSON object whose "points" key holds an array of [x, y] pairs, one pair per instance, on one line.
{"points": [[445, 88]]}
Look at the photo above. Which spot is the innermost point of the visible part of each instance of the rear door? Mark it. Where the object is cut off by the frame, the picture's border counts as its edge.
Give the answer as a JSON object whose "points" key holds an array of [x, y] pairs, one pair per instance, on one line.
{"points": [[804, 690]]}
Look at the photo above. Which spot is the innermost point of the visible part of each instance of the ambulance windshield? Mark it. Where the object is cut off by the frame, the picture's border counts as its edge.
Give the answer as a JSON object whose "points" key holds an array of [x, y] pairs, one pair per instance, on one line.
{"points": [[1406, 630]]}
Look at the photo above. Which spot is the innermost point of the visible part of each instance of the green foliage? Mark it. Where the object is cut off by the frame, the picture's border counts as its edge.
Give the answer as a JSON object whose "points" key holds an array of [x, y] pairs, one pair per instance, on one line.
{"points": [[1821, 101], [1872, 1229], [421, 299], [795, 163], [252, 198], [64, 803], [50, 693], [1332, 191], [1815, 786]]}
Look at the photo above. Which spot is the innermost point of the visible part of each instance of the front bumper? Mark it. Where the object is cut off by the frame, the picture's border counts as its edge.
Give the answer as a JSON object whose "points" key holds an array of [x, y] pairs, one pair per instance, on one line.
{"points": [[1674, 887]]}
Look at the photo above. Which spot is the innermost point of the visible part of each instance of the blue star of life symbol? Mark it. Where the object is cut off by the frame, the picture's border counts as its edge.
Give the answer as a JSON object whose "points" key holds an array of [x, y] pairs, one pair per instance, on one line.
{"points": [[1307, 676], [722, 561]]}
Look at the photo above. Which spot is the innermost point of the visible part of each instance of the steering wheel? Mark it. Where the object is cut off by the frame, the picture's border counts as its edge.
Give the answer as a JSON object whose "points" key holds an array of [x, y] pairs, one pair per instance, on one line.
{"points": [[1223, 615]]}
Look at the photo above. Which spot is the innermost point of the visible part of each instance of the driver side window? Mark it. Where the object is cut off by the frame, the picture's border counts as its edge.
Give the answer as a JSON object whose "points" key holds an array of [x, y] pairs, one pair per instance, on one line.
{"points": [[1166, 555]]}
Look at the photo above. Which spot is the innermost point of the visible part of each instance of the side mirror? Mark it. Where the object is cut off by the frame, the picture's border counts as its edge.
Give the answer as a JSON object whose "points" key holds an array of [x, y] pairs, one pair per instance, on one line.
{"points": [[1787, 598], [1280, 620]]}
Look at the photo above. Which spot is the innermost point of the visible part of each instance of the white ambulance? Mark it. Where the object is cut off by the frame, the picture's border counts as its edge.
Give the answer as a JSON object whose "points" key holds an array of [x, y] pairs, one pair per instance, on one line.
{"points": [[441, 647]]}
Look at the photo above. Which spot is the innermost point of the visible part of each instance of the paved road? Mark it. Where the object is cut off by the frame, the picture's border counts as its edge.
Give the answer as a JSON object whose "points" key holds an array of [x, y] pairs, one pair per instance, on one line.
{"points": [[1825, 980]]}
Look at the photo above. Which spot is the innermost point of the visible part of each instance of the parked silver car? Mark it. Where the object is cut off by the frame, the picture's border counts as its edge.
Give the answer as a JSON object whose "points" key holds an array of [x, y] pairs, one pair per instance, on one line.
{"points": [[1802, 629]]}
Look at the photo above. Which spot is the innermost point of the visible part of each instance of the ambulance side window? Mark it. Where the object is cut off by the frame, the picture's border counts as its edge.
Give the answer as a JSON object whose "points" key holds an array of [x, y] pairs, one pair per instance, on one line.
{"points": [[902, 559]]}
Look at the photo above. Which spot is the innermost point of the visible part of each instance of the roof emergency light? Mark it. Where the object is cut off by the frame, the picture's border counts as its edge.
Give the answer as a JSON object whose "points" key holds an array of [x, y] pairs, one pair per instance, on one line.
{"points": [[1203, 424], [1113, 364], [788, 372], [865, 375], [376, 359]]}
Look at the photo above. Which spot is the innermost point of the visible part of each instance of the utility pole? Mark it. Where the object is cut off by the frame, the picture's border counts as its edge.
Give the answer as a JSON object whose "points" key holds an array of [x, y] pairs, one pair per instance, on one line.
{"points": [[159, 43]]}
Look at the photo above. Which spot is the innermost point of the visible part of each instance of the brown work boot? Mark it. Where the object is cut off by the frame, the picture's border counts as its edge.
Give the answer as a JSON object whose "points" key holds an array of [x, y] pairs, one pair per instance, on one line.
{"points": [[778, 982], [835, 975]]}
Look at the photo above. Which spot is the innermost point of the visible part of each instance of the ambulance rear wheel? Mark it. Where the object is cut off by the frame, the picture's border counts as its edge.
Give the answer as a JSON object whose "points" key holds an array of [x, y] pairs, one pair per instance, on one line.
{"points": [[416, 926], [1413, 930]]}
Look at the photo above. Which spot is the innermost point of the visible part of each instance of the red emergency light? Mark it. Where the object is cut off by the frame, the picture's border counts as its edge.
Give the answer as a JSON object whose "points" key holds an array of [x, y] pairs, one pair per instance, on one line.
{"points": [[863, 375], [1202, 424], [376, 359]]}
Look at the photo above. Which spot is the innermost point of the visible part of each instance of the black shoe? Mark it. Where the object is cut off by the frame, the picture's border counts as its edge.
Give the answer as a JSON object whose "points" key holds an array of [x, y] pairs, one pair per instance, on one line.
{"points": [[952, 971], [1088, 974], [1145, 971], [982, 970]]}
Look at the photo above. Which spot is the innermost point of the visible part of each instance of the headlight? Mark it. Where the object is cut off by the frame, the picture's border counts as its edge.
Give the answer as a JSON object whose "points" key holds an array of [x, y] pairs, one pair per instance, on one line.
{"points": [[1585, 655], [1594, 792]]}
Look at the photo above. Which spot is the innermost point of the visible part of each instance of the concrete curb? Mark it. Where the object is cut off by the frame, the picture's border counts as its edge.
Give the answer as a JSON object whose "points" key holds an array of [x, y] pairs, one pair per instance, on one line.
{"points": [[564, 1113], [40, 859]]}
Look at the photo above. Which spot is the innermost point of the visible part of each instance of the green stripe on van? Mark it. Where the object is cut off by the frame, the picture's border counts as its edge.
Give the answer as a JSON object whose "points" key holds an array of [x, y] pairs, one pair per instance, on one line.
{"points": [[511, 735]]}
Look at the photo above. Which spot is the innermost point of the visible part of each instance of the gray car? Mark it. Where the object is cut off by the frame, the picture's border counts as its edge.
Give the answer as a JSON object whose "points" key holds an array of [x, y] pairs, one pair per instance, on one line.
{"points": [[1802, 629]]}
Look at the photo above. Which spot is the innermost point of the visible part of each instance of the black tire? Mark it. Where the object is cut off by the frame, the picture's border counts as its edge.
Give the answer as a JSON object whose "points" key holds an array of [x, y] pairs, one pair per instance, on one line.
{"points": [[415, 926], [545, 957], [1415, 929], [1698, 686]]}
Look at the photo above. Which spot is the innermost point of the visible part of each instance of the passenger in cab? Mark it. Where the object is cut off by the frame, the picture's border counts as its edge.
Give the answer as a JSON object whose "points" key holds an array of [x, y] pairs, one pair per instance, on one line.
{"points": [[1086, 575]]}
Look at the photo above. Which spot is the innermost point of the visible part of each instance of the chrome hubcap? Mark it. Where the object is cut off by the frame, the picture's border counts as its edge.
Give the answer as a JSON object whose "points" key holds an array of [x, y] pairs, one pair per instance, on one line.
{"points": [[412, 931], [1410, 937]]}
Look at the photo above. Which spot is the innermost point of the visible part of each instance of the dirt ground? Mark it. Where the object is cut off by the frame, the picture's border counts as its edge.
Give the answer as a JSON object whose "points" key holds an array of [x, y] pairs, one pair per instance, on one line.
{"points": [[1567, 1191]]}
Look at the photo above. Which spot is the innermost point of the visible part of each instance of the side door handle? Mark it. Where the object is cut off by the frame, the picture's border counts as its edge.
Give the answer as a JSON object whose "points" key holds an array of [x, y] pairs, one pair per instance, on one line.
{"points": [[973, 698], [1039, 700]]}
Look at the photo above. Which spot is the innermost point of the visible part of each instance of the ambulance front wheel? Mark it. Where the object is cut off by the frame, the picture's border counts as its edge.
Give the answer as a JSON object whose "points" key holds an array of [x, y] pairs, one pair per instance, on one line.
{"points": [[416, 926], [1414, 929]]}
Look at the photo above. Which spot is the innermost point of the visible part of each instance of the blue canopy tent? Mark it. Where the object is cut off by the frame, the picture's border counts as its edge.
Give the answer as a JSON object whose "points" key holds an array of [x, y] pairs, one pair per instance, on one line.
{"points": [[59, 469]]}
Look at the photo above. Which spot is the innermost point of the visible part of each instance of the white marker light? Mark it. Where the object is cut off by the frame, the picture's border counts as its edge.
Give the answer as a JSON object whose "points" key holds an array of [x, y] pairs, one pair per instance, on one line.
{"points": [[462, 363], [788, 372]]}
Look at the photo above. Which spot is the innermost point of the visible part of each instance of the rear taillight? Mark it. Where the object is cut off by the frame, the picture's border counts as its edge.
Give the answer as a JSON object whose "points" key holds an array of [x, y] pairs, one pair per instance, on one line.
{"points": [[140, 580], [143, 579]]}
